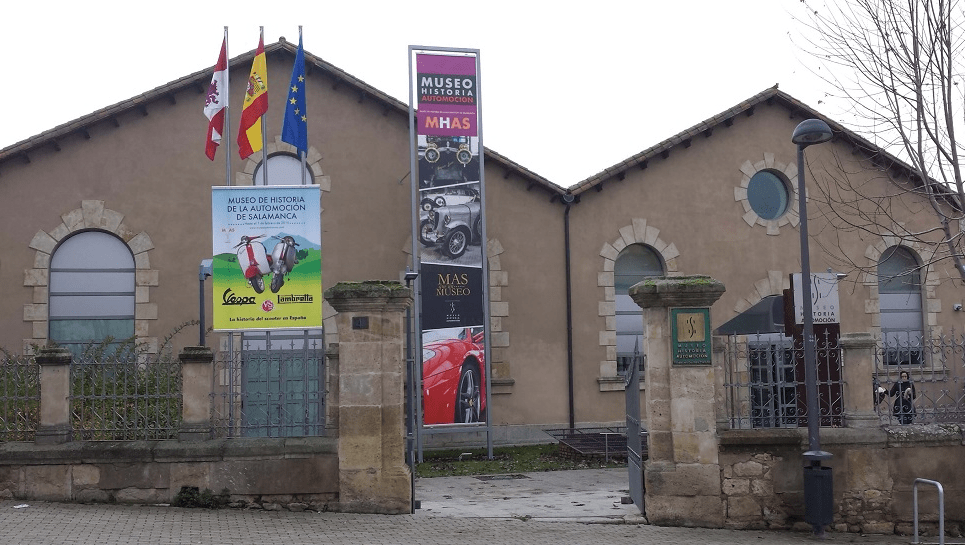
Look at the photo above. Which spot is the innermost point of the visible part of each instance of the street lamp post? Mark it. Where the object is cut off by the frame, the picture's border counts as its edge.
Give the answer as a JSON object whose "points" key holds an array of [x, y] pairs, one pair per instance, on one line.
{"points": [[413, 389], [818, 485]]}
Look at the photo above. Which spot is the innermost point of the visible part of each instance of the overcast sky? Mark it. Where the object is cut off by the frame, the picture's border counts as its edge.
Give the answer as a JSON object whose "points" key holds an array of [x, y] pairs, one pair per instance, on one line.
{"points": [[618, 77]]}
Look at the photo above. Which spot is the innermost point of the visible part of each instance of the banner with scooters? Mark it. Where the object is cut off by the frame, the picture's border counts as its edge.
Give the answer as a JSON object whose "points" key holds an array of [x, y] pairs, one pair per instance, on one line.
{"points": [[267, 262]]}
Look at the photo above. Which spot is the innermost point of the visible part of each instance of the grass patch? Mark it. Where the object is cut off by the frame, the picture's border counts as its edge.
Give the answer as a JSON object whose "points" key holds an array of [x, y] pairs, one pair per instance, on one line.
{"points": [[524, 459]]}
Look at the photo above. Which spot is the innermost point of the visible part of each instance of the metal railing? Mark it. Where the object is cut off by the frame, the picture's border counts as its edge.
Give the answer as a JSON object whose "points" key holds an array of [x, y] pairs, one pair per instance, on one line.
{"points": [[608, 442], [19, 397], [272, 385], [125, 396], [934, 391], [764, 382], [941, 509]]}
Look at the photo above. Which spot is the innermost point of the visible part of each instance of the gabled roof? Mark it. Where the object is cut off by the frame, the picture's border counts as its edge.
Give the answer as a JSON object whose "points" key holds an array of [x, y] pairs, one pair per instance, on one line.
{"points": [[199, 81], [796, 108]]}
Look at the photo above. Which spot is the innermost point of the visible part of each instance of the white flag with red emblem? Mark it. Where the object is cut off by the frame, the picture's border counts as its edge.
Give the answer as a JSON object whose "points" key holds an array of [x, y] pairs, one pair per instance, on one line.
{"points": [[214, 105]]}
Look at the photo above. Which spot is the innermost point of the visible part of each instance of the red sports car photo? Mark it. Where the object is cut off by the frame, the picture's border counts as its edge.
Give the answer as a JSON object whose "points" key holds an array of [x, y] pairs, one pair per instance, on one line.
{"points": [[453, 376]]}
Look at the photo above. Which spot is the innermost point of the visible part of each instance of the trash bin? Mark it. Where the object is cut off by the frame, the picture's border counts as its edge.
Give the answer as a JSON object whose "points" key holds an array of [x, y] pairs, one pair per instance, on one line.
{"points": [[818, 495]]}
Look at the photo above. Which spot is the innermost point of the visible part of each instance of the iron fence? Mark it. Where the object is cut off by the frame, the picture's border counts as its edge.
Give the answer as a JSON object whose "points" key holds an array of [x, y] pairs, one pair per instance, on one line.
{"points": [[270, 384], [123, 395], [19, 397], [934, 389], [765, 387], [265, 385]]}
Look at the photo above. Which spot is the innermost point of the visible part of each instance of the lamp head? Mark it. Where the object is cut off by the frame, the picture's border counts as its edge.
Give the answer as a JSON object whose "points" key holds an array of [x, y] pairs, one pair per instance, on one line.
{"points": [[810, 132]]}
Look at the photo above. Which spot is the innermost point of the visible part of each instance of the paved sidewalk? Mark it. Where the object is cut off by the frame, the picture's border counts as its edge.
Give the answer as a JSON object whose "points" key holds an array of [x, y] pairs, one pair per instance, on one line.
{"points": [[589, 495], [62, 524], [578, 507]]}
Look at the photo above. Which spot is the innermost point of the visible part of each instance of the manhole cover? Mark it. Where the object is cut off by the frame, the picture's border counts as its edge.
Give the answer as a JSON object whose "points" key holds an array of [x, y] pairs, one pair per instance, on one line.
{"points": [[500, 477]]}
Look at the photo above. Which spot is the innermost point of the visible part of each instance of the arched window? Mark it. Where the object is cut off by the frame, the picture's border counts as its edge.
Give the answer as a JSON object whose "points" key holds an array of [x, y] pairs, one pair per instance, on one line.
{"points": [[635, 263], [91, 290], [283, 169], [900, 304]]}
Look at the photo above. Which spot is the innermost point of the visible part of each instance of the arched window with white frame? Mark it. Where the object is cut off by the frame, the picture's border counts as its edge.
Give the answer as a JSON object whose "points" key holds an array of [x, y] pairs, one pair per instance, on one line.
{"points": [[900, 305], [635, 263], [91, 291], [283, 169]]}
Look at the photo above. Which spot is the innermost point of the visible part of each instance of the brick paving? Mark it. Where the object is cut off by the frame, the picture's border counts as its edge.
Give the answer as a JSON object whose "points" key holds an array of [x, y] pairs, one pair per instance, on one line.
{"points": [[75, 524], [551, 508]]}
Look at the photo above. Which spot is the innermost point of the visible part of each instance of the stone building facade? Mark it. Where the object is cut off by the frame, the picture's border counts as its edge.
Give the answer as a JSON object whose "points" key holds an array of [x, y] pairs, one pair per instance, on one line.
{"points": [[560, 260]]}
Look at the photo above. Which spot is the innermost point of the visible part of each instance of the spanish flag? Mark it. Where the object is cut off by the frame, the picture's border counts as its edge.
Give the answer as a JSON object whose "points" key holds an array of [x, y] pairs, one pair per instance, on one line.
{"points": [[255, 106]]}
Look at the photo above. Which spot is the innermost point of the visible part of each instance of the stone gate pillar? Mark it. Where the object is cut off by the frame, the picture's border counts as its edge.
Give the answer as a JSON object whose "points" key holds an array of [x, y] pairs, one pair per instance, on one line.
{"points": [[372, 474], [682, 473], [54, 426], [858, 351], [197, 379]]}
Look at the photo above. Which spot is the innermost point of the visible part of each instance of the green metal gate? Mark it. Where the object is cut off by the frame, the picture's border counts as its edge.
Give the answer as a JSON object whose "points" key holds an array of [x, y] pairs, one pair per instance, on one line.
{"points": [[282, 378]]}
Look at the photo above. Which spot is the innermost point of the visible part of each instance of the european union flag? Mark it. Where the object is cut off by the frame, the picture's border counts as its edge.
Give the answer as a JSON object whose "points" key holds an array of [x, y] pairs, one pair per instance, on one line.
{"points": [[295, 127]]}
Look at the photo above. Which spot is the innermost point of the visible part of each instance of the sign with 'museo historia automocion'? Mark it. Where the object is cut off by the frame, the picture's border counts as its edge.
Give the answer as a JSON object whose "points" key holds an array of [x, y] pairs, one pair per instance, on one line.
{"points": [[267, 262], [449, 213]]}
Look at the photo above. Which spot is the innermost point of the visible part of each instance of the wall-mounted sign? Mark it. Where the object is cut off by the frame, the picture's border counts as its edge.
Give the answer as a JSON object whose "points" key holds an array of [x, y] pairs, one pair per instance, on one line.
{"points": [[825, 303], [690, 336]]}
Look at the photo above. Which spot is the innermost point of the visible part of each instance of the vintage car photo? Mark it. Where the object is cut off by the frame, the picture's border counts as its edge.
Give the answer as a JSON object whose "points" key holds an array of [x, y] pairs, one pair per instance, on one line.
{"points": [[451, 195], [452, 228], [447, 160], [453, 378]]}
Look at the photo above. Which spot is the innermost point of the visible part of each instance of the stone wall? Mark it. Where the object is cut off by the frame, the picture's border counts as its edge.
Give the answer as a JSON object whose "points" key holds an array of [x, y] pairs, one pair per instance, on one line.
{"points": [[293, 473], [873, 470], [359, 467], [701, 473]]}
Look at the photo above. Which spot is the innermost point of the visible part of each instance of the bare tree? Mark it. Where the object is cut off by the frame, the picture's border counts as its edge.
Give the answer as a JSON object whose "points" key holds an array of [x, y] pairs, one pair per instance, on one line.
{"points": [[899, 65]]}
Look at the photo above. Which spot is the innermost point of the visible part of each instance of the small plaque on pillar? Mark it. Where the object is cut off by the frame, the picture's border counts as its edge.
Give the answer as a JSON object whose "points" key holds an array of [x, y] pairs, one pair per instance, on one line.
{"points": [[360, 322], [690, 330]]}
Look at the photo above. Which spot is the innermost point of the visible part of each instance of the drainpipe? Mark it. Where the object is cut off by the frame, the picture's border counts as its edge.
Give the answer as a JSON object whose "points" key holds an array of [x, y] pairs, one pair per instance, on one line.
{"points": [[568, 199]]}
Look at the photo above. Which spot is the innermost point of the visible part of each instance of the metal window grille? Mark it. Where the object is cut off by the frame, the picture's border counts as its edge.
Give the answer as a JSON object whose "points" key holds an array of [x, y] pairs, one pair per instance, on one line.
{"points": [[19, 397], [765, 387], [936, 369], [123, 395]]}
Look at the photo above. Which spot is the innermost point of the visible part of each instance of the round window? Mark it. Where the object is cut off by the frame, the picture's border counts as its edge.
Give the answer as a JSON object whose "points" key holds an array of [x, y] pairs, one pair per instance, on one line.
{"points": [[768, 195]]}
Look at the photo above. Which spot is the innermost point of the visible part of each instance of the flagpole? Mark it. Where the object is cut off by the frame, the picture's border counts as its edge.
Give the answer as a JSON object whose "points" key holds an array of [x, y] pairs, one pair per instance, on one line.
{"points": [[227, 111], [303, 153], [227, 149], [264, 126]]}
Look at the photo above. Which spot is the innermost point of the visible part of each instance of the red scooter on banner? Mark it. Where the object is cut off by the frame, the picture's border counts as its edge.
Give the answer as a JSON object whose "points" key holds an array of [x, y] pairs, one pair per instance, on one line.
{"points": [[254, 261]]}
